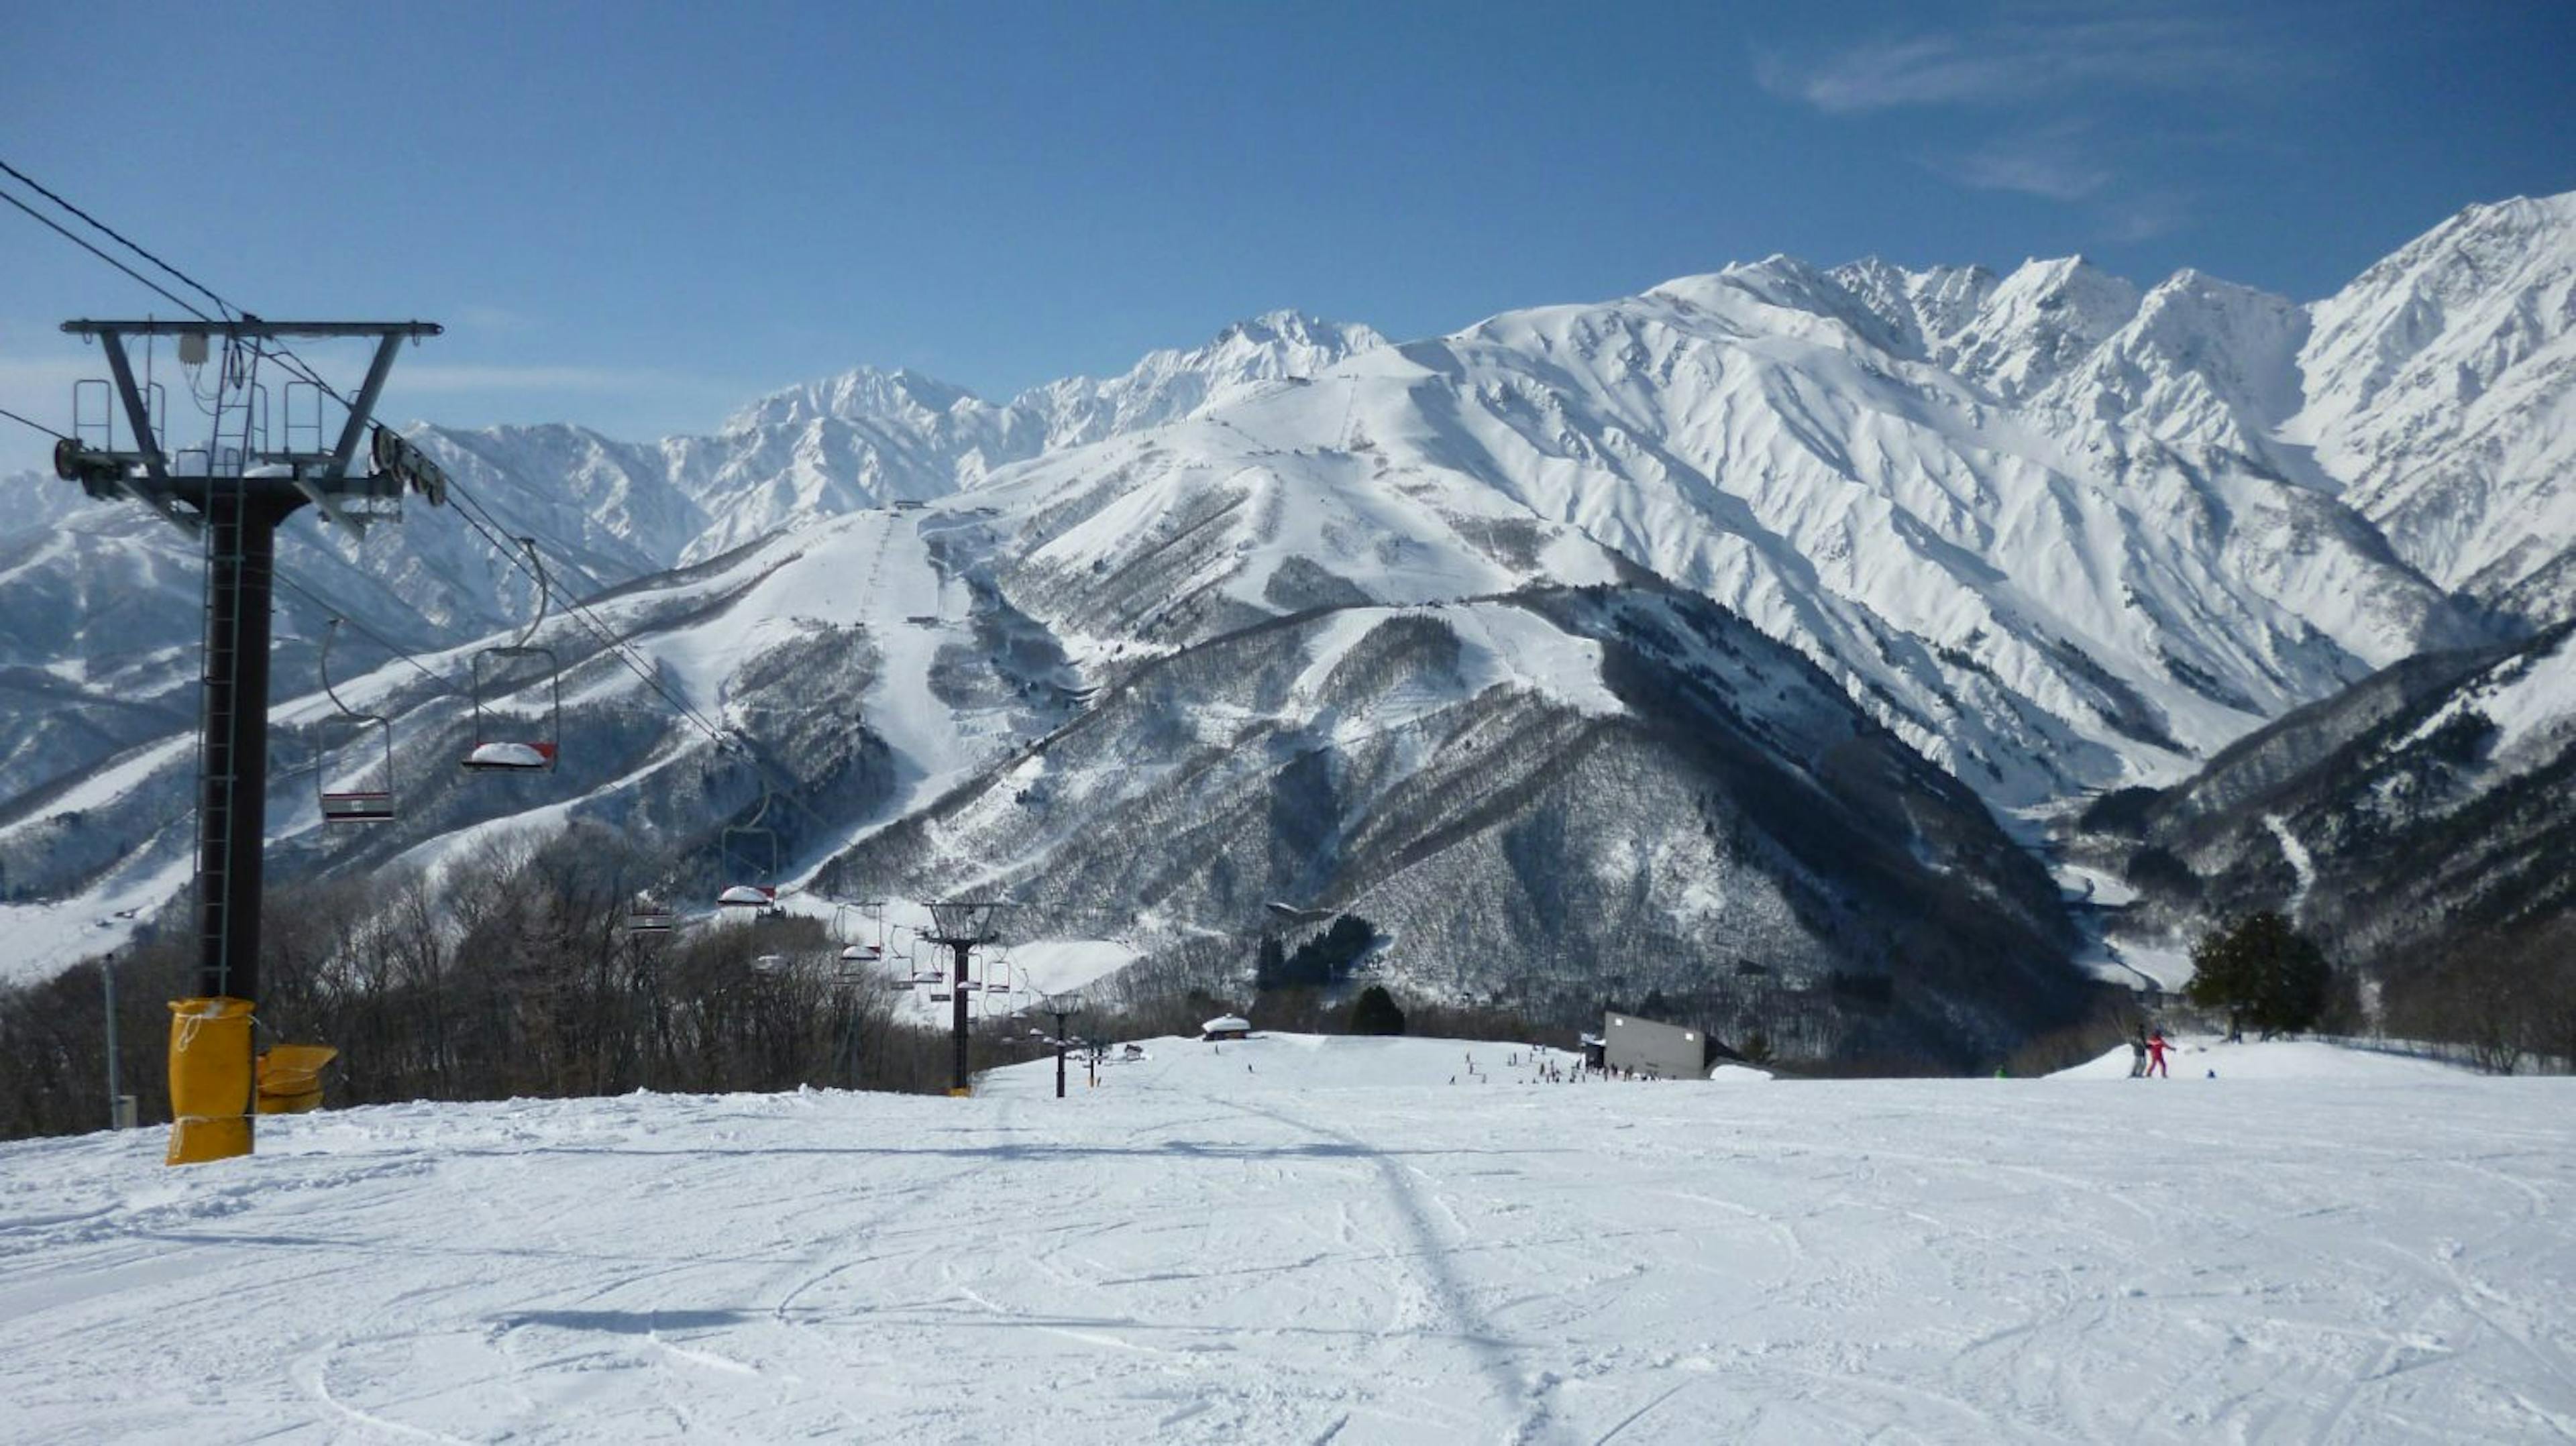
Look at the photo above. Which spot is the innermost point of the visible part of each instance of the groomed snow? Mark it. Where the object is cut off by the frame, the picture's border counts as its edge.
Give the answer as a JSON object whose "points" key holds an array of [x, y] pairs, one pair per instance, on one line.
{"points": [[1333, 1244]]}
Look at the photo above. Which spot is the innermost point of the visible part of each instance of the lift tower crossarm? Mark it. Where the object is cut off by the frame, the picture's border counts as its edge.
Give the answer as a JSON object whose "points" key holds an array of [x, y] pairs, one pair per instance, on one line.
{"points": [[253, 326]]}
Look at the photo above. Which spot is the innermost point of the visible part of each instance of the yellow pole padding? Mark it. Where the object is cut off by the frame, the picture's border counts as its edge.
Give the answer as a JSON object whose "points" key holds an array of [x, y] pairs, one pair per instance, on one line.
{"points": [[290, 1078], [210, 1080]]}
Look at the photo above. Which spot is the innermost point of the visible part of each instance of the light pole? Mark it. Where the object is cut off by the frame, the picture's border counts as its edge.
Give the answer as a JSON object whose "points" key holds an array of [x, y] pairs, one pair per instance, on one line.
{"points": [[1061, 1008]]}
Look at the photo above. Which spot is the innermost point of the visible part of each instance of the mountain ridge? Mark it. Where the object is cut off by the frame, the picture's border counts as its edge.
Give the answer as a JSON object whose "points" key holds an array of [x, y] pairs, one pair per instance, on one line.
{"points": [[2052, 531]]}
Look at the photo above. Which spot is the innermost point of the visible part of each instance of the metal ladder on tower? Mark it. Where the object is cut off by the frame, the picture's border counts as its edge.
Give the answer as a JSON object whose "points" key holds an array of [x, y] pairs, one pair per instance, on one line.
{"points": [[214, 774], [239, 430]]}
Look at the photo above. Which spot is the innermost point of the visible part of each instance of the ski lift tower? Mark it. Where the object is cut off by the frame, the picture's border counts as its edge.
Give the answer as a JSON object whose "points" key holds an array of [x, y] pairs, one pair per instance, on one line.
{"points": [[963, 924], [232, 495]]}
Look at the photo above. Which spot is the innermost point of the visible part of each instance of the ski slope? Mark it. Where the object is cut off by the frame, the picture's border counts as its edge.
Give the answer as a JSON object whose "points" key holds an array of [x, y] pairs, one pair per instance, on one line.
{"points": [[1292, 1240]]}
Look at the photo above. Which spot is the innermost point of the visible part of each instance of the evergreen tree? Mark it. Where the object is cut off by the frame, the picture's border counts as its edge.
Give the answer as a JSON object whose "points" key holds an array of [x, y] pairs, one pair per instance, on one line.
{"points": [[2263, 973], [1375, 1013], [1270, 966], [1321, 961]]}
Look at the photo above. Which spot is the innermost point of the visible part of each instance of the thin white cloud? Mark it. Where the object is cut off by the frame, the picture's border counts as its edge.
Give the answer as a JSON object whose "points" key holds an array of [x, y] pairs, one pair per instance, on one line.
{"points": [[2026, 62], [2059, 74], [2143, 217], [2053, 163]]}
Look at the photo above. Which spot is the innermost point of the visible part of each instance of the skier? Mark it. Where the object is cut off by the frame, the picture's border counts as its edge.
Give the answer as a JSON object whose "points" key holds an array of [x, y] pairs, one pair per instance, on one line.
{"points": [[2138, 1053], [2156, 1055]]}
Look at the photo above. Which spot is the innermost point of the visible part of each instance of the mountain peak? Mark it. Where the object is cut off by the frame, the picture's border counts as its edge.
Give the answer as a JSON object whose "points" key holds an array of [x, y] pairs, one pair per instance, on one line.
{"points": [[1300, 338], [2520, 213], [861, 392], [1925, 309], [1287, 324], [2040, 321]]}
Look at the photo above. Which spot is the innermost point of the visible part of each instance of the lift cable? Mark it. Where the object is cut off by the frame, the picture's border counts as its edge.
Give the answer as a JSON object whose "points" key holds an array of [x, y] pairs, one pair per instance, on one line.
{"points": [[480, 518], [123, 240], [445, 684], [623, 650], [67, 235], [632, 657], [39, 426]]}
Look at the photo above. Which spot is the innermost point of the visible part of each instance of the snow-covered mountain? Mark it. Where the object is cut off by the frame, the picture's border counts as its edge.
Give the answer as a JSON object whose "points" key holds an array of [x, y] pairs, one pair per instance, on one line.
{"points": [[99, 597], [2050, 531], [2441, 390], [1514, 788], [2413, 823], [2042, 603]]}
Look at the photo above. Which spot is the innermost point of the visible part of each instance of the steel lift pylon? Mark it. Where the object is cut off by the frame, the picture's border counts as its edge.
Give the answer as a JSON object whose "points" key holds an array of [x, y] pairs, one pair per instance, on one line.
{"points": [[235, 503]]}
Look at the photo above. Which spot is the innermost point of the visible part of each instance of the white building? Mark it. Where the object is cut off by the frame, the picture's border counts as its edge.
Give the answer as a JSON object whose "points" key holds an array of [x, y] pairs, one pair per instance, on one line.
{"points": [[1658, 1051]]}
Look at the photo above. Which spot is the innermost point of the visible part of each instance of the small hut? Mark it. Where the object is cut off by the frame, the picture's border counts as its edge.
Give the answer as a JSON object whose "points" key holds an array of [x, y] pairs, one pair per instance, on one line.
{"points": [[1226, 1026]]}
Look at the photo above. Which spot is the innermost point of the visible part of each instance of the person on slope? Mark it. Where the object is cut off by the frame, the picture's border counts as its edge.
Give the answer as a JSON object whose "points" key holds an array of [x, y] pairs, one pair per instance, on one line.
{"points": [[2156, 1047], [2138, 1053]]}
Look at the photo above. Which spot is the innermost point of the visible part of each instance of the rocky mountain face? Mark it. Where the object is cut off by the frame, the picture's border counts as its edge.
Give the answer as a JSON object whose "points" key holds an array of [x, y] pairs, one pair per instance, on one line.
{"points": [[1502, 639], [1527, 794], [2043, 603], [2441, 390], [2417, 819], [1513, 788]]}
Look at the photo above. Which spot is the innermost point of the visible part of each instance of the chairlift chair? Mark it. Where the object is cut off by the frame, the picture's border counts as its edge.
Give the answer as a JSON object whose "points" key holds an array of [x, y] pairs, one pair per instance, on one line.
{"points": [[648, 918], [856, 954], [492, 752], [350, 805], [759, 899]]}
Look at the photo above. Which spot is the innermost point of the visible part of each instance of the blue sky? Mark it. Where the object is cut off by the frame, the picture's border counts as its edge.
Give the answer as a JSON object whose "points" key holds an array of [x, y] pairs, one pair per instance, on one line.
{"points": [[640, 216]]}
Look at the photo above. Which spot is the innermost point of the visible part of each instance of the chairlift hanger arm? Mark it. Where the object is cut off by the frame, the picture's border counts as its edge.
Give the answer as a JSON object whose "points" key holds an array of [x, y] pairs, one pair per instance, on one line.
{"points": [[537, 570], [322, 670]]}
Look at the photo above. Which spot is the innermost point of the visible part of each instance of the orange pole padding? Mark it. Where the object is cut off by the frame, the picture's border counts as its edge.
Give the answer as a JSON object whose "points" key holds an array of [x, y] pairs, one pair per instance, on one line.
{"points": [[210, 1080], [290, 1078]]}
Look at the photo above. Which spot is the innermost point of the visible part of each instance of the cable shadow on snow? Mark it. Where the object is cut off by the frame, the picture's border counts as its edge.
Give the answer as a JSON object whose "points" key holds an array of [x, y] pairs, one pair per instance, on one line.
{"points": [[1434, 1260], [1028, 1153]]}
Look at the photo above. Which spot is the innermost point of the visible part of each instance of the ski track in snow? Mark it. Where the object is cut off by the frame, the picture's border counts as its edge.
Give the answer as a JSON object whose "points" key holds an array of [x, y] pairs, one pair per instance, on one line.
{"points": [[1295, 1240]]}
